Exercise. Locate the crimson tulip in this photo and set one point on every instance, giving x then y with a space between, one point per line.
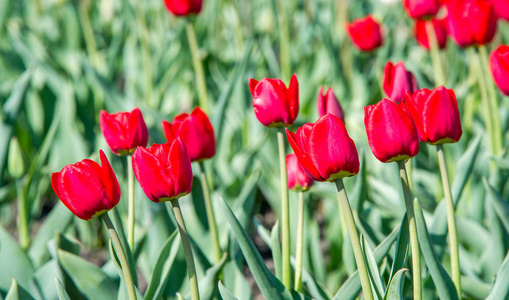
87 188
274 104
124 131
419 9
183 7
328 103
397 81
195 131
324 149
298 179
392 135
365 33
499 65
163 171
421 35
501 8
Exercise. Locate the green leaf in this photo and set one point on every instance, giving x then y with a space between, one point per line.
14 263
500 205
500 289
17 292
62 294
276 250
117 222
401 247
374 274
208 284
395 288
225 293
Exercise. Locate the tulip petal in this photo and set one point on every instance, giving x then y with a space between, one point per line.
302 156
151 173
180 169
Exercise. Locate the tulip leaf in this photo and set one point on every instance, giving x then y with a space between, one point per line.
500 205
119 228
17 292
401 247
276 250
61 292
225 293
377 284
208 284
395 288
500 289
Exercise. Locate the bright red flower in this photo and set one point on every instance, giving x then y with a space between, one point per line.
419 9
421 34
274 104
392 135
435 114
499 65
183 7
195 131
298 179
87 188
324 149
501 8
397 81
328 103
124 131
365 33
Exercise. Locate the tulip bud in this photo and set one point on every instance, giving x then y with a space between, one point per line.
274 104
421 35
501 8
328 103
397 81
324 149
499 66
87 188
183 7
15 162
298 179
365 33
419 9
392 135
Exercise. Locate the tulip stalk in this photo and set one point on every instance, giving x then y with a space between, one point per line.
414 241
210 211
300 244
197 65
354 238
130 217
451 220
435 53
121 256
23 229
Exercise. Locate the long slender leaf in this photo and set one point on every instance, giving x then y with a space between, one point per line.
158 280
395 288
62 294
374 274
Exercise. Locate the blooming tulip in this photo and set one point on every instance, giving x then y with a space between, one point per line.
124 131
365 33
328 103
501 8
435 114
324 149
397 81
274 104
392 135
298 179
499 65
419 9
421 35
195 131
183 7
87 188
163 171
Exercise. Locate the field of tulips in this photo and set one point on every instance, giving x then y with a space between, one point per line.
269 149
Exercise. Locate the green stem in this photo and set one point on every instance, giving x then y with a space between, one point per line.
300 244
130 219
188 252
121 256
198 68
210 211
414 241
23 230
285 215
354 238
435 54
451 220
284 40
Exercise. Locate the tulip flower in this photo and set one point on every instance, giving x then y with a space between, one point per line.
499 66
397 81
298 179
124 131
501 8
365 33
183 7
274 104
392 135
419 9
328 103
421 35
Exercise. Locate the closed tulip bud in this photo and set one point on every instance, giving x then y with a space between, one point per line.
87 188
183 7
298 179
196 133
392 135
435 114
274 104
15 163
328 103
501 8
163 171
397 81
499 65
421 35
324 149
365 33
419 9
124 131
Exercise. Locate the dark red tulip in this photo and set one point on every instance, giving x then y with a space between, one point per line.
195 131
419 9
124 131
87 188
397 81
183 7
499 66
392 135
324 149
435 114
163 171
298 179
328 103
501 8
274 104
365 33
421 34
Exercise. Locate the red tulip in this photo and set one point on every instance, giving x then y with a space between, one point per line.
163 171
422 36
195 131
274 104
365 33
124 131
87 188
501 8
397 81
471 22
298 179
392 135
435 114
324 149
328 103
499 65
183 7
419 9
